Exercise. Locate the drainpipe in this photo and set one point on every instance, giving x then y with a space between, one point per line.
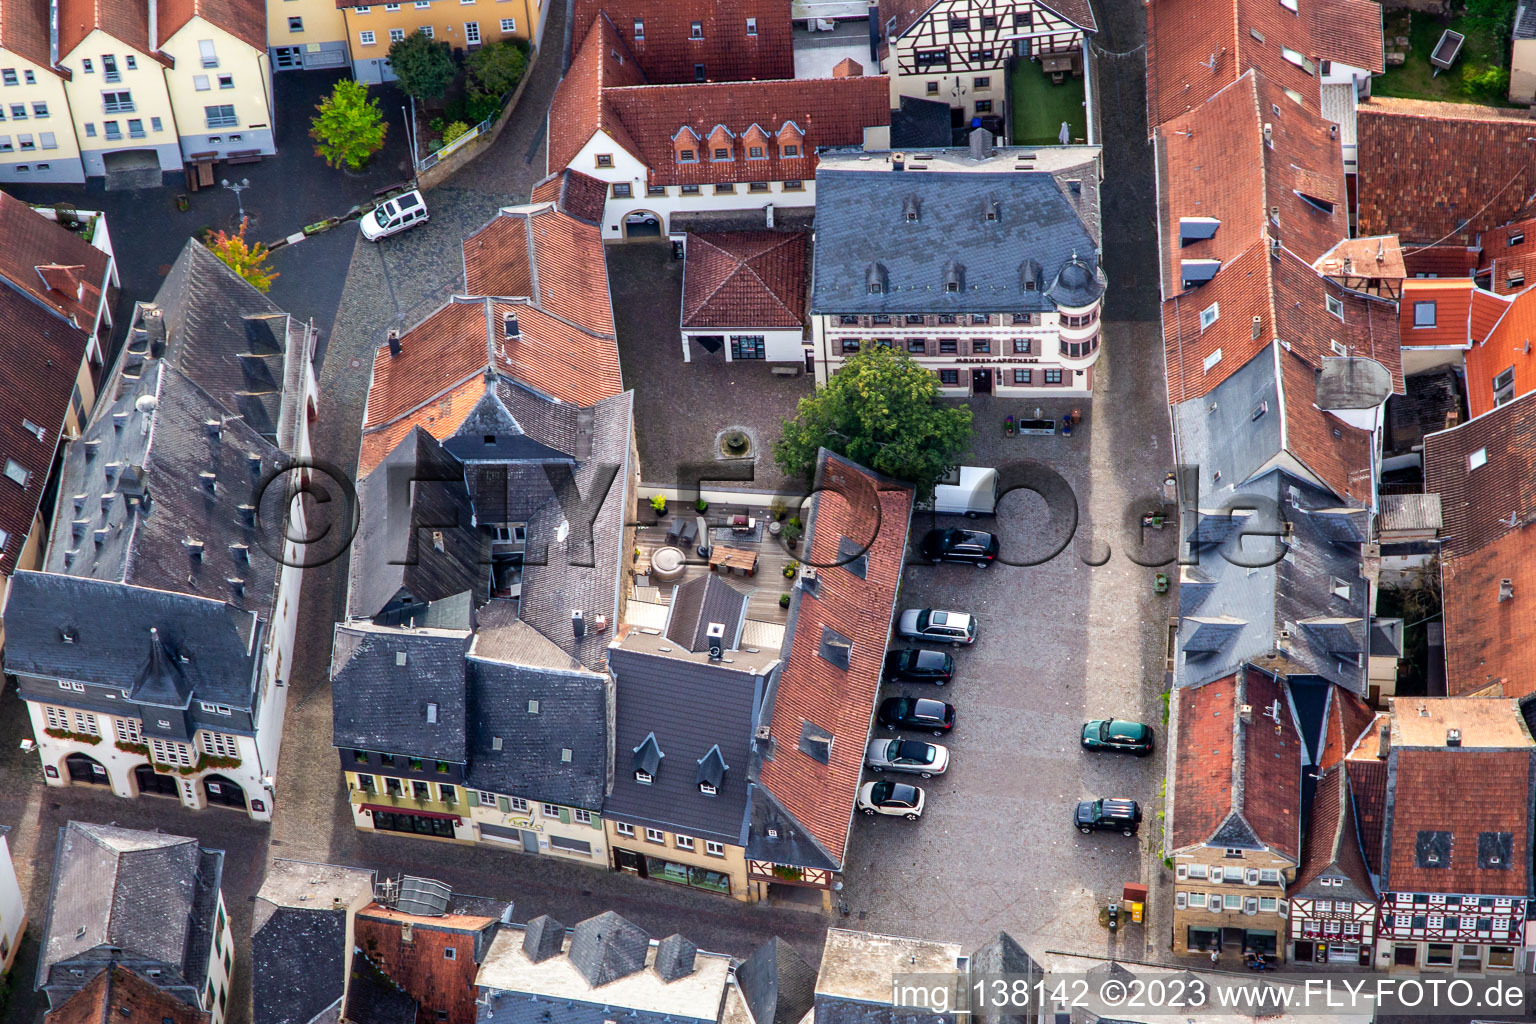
154 27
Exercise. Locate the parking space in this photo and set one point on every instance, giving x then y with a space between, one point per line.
1058 643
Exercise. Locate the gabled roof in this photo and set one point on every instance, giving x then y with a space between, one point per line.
698 604
24 31
400 692
1477 159
777 984
299 955
1237 783
874 512
28 241
116 995
1348 719
150 895
542 253
745 279
578 195
601 61
1483 471
668 51
1506 346
124 20
1194 50
246 20
1332 844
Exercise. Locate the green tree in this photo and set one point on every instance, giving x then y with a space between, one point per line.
879 411
496 69
423 65
349 127
248 259
453 131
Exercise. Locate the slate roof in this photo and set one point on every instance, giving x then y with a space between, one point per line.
199 428
578 195
1193 51
745 279
299 955
690 706
1237 784
572 715
1476 157
372 998
110 628
556 260
379 704
667 52
1426 793
778 985
698 603
118 995
1486 511
148 894
854 503
863 222
28 240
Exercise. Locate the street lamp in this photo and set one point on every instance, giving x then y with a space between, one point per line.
243 184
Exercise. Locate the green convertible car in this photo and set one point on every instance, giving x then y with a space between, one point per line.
1118 734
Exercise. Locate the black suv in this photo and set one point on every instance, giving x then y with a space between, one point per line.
1108 815
915 666
918 713
977 547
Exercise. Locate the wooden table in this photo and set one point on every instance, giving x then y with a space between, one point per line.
733 560
1053 64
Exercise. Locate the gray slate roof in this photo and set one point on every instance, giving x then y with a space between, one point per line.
698 603
372 998
110 628
691 706
777 983
297 956
861 223
572 715
608 947
149 895
378 704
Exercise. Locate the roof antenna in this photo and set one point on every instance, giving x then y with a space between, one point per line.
1512 522
1211 63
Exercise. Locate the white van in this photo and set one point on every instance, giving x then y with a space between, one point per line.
394 216
966 491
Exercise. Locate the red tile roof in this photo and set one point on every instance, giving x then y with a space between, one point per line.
1263 791
1506 347
577 110
1332 841
745 279
1440 172
1368 792
579 195
124 20
1337 454
24 31
1195 49
1464 313
1488 640
1349 718
118 996
1429 792
668 53
1440 260
540 252
244 19
420 967
29 240
874 513
1509 256
436 379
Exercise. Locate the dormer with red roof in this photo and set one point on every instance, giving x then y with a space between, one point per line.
721 145
686 145
791 141
755 143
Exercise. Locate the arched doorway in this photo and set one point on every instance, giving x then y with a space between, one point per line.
156 783
84 768
223 790
642 224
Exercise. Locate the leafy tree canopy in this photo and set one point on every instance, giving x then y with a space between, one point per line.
349 127
423 65
248 259
496 69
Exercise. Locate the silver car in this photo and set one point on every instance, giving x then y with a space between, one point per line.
937 626
914 756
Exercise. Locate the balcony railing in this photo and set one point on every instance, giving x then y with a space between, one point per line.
405 803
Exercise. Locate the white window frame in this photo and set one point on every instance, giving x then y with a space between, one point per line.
1197 901
396 34
472 35
624 829
219 744
129 730
1335 305
427 30
367 38
581 817
549 810
656 835
1209 315
1211 360
486 799
683 842
1270 875
509 24
517 804
714 849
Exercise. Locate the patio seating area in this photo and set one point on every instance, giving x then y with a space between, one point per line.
739 546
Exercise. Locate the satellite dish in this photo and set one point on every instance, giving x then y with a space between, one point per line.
146 403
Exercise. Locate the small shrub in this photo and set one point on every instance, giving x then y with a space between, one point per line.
473 108
783 600
701 505
436 125
453 131
658 503
777 508
795 522
792 531
1484 81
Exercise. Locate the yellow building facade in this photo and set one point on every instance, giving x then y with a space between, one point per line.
462 24
220 90
37 140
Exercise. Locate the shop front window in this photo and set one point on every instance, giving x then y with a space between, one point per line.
682 874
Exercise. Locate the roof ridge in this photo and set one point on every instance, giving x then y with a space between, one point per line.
747 265
436 396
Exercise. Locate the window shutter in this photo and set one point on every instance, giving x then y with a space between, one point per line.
1178 901
503 805
565 815
472 797
597 821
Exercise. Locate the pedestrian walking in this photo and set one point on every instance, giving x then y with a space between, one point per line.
1215 956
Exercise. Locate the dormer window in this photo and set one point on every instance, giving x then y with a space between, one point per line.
644 778
751 26
696 30
721 153
687 156
954 277
705 787
647 760
791 150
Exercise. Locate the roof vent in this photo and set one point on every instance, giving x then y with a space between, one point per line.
90 448
716 637
911 209
253 461
990 211
69 634
236 585
240 553
101 536
118 419
1453 737
1506 590
394 343
248 514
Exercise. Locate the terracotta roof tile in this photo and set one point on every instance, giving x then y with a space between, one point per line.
1272 754
1368 791
1348 719
1337 453
24 31
539 252
829 111
1429 793
119 996
668 53
244 19
745 279
1440 172
1202 797
579 195
1195 49
1368 328
124 20
1441 260
873 512
1332 841
1488 640
1506 347
29 240
577 110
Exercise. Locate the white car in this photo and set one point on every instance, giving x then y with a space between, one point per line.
896 798
937 626
394 216
915 756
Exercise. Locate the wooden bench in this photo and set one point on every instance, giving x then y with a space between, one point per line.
244 156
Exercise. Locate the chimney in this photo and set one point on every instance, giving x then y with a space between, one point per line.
1384 740
1506 590
981 144
716 635
153 319
1245 712
578 624
394 343
1453 737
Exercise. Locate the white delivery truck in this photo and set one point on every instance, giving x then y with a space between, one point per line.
966 491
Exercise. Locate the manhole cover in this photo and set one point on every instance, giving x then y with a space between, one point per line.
356 363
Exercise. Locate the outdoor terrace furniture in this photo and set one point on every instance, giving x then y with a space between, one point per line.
244 156
675 531
729 560
743 524
690 532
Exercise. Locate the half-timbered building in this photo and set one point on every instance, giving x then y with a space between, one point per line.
954 51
